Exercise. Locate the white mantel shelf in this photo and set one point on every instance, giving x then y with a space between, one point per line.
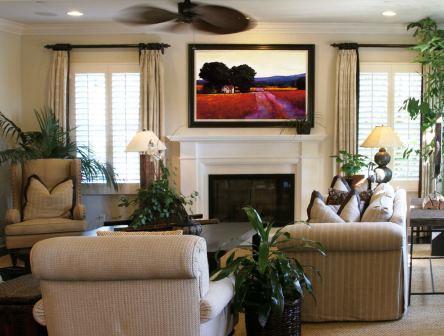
253 138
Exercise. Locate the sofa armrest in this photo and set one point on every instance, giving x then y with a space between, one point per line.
12 216
79 212
375 236
38 312
218 297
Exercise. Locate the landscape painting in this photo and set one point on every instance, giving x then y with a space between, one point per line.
250 85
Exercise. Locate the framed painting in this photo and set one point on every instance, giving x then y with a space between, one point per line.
250 85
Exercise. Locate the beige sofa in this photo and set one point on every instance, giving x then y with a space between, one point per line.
23 234
364 275
129 285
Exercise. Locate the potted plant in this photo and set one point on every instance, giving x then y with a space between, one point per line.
160 207
430 108
51 141
351 165
269 285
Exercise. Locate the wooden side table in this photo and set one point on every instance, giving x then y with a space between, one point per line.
419 218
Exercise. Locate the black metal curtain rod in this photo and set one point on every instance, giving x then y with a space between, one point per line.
369 45
140 46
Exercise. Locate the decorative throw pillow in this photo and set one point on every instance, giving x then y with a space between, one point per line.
380 208
140 233
319 212
350 210
340 183
336 197
42 203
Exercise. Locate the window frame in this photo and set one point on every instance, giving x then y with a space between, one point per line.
391 68
95 67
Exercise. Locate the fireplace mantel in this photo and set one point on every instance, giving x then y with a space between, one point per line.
206 152
247 137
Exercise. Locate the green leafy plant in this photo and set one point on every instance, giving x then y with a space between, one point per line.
267 279
430 50
158 203
51 141
351 164
430 108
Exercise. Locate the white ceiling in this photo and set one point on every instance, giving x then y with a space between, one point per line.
311 11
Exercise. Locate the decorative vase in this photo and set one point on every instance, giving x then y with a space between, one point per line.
354 179
287 324
303 127
190 227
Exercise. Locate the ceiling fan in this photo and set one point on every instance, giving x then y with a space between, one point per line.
209 18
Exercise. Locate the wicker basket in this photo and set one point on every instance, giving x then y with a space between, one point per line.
287 324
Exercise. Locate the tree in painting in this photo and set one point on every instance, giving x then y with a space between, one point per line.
216 75
242 76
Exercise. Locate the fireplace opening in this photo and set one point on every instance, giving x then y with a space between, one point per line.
271 194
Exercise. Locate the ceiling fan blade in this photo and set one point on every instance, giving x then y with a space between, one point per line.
138 15
220 19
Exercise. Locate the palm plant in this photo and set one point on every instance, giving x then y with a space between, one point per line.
268 280
49 142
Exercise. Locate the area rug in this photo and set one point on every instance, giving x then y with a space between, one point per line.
425 316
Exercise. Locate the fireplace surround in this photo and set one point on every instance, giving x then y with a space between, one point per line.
202 155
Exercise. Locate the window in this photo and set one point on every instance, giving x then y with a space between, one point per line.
105 113
383 90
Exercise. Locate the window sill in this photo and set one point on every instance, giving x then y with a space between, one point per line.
101 189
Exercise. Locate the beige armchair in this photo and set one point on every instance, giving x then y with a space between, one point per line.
24 234
129 285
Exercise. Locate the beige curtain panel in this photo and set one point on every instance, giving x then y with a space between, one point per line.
346 101
152 91
58 79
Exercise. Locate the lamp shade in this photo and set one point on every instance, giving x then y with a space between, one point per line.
145 141
382 136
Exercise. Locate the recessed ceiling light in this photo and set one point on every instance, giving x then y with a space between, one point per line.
389 13
74 13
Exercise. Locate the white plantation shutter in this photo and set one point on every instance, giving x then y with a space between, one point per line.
105 114
406 85
125 123
383 89
373 98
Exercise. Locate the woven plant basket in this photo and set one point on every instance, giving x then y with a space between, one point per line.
287 324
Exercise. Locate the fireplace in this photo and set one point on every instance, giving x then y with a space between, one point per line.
271 194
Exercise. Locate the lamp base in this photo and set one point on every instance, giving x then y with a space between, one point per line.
147 170
382 172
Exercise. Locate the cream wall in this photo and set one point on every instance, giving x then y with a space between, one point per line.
10 101
35 62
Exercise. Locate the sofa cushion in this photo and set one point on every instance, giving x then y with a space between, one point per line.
42 203
380 208
319 212
140 233
44 226
350 210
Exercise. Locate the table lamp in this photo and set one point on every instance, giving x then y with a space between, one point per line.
382 137
150 148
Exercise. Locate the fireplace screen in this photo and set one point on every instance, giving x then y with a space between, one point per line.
271 194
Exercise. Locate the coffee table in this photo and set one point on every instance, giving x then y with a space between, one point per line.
220 237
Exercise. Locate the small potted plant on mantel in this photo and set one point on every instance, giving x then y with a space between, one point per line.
269 285
351 165
160 207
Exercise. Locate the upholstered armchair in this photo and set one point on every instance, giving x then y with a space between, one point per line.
23 231
129 285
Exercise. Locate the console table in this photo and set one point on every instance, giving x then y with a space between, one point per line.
432 219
